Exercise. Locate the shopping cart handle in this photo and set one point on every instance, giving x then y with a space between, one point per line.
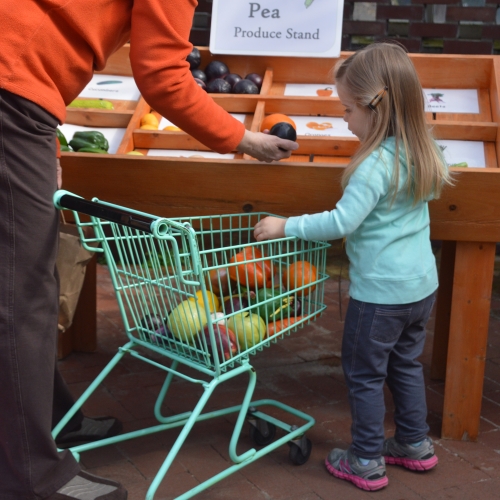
65 199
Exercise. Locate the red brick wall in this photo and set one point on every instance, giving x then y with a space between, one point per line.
460 30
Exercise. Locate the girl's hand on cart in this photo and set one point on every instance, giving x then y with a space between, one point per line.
269 228
266 147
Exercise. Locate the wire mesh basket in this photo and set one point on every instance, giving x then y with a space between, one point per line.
203 293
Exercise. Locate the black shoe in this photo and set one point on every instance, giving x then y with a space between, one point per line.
103 489
91 429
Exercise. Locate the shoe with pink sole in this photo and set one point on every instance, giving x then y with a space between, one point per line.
419 456
344 464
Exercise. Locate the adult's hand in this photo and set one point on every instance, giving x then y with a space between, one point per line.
266 147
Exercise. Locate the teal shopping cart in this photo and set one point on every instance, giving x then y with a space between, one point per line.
200 295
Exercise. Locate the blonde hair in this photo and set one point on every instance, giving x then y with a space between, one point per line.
399 113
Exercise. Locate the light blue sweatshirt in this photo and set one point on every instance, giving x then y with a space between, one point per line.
391 259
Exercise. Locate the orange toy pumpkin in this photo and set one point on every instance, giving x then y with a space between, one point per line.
270 120
328 91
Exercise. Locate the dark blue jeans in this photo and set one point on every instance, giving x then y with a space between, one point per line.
381 343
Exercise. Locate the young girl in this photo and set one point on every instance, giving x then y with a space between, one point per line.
384 216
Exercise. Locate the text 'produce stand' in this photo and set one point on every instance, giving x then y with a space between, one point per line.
466 217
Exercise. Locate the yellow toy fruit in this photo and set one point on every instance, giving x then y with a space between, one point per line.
250 329
138 153
213 301
187 320
150 119
148 127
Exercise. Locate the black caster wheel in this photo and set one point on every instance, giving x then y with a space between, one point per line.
262 433
300 451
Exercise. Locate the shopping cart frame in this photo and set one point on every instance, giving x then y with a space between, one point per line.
262 425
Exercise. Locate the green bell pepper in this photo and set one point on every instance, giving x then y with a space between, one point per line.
62 139
89 139
267 307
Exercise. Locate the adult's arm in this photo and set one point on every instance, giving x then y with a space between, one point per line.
159 45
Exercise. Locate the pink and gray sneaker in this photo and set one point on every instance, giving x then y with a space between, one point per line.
419 456
344 464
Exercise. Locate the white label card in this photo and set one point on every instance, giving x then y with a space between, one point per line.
470 152
321 126
311 89
451 101
122 88
185 153
294 28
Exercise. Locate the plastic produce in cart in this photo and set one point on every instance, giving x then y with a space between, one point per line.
201 293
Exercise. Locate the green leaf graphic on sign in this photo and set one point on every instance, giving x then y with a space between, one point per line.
109 82
308 3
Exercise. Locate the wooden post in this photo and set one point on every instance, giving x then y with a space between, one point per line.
470 312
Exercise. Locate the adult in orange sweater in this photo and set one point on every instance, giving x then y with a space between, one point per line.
48 52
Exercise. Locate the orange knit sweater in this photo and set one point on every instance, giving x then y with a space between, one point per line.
49 50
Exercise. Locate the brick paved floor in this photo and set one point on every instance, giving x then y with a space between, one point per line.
302 371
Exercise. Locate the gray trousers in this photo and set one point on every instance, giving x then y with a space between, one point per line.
30 465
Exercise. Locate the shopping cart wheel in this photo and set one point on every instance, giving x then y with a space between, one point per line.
262 432
300 450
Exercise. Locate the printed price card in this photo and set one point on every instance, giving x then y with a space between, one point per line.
470 152
451 100
321 126
311 89
122 88
185 153
295 28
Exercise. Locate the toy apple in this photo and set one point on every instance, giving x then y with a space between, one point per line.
187 320
250 329
213 301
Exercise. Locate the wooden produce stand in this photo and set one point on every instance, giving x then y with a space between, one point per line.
466 218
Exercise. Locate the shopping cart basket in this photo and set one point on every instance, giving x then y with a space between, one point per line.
200 292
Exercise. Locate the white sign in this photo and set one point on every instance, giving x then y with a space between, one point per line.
321 126
451 100
311 89
121 88
299 28
186 153
470 152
